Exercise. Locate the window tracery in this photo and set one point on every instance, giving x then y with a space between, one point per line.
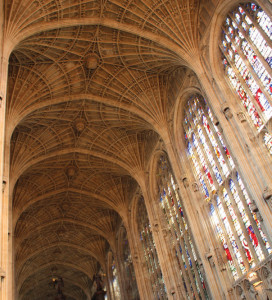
174 220
233 213
128 273
246 46
150 252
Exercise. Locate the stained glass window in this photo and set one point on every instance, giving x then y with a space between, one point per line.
233 213
127 269
113 278
150 252
246 41
175 221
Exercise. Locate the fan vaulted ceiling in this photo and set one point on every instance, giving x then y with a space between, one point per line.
90 92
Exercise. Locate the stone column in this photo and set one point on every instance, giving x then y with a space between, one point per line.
162 244
6 252
119 273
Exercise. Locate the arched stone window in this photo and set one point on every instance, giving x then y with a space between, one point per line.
247 49
150 252
234 216
126 265
177 229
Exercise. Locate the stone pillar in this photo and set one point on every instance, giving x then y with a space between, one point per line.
162 245
119 273
6 252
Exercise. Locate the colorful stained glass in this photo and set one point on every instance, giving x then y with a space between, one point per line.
177 225
236 224
150 252
248 61
268 141
253 213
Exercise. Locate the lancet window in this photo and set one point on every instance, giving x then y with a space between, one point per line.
247 49
234 216
176 227
150 252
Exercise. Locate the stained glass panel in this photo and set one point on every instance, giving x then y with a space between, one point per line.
246 37
233 215
176 223
150 252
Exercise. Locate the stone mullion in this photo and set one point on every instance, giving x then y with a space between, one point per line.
174 241
237 239
253 158
201 146
200 163
144 288
249 214
190 139
258 53
182 271
218 142
158 276
185 232
151 268
151 259
193 126
156 270
207 162
197 158
252 45
177 256
246 88
222 225
250 68
259 28
253 73
223 153
216 161
220 254
191 201
177 244
146 250
147 258
241 222
146 238
156 217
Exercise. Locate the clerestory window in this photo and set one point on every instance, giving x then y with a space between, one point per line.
233 215
247 58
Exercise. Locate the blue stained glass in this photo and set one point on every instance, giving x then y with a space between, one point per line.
257 51
253 6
